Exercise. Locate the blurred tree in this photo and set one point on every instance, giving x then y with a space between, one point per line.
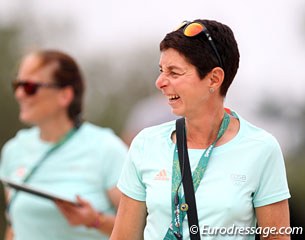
116 84
10 49
296 174
296 179
293 121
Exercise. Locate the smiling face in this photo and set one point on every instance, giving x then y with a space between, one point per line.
46 103
180 83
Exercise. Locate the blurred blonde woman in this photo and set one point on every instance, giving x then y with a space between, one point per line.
61 154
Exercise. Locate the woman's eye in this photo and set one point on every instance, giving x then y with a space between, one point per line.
175 74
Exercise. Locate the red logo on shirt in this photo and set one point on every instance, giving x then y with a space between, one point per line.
161 176
20 172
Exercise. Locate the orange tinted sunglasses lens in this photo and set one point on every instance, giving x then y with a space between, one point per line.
193 29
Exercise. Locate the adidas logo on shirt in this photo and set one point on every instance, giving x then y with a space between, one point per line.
162 176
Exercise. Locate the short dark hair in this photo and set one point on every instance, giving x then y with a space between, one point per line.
198 51
66 73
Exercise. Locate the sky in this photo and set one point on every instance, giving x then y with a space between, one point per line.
270 35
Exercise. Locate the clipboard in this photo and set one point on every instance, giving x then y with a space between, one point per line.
35 191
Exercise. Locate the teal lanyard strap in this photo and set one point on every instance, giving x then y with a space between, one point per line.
179 207
49 152
44 157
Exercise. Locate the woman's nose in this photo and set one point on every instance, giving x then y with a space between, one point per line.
19 93
161 81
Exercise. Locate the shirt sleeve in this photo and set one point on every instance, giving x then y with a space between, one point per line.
5 169
130 182
273 185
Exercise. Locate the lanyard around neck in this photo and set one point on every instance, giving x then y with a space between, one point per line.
57 145
39 163
179 207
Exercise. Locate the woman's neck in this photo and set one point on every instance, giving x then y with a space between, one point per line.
53 131
202 131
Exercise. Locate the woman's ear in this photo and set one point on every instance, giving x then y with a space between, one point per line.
66 96
216 78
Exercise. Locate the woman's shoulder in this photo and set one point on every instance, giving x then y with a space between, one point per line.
256 133
90 128
25 135
90 132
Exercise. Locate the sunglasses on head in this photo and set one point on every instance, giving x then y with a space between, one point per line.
30 88
192 29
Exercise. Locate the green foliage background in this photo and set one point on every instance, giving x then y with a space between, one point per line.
9 119
133 77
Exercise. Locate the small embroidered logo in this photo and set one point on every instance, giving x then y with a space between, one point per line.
20 172
238 179
161 176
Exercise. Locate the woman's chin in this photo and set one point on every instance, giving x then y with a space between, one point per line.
26 119
177 112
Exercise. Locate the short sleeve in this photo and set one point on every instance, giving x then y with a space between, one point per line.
130 182
5 169
273 185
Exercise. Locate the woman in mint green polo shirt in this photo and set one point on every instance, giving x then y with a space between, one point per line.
238 169
59 154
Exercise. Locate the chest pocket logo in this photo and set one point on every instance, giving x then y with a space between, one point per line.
238 179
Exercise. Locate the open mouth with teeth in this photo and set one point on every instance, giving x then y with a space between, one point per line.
173 97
